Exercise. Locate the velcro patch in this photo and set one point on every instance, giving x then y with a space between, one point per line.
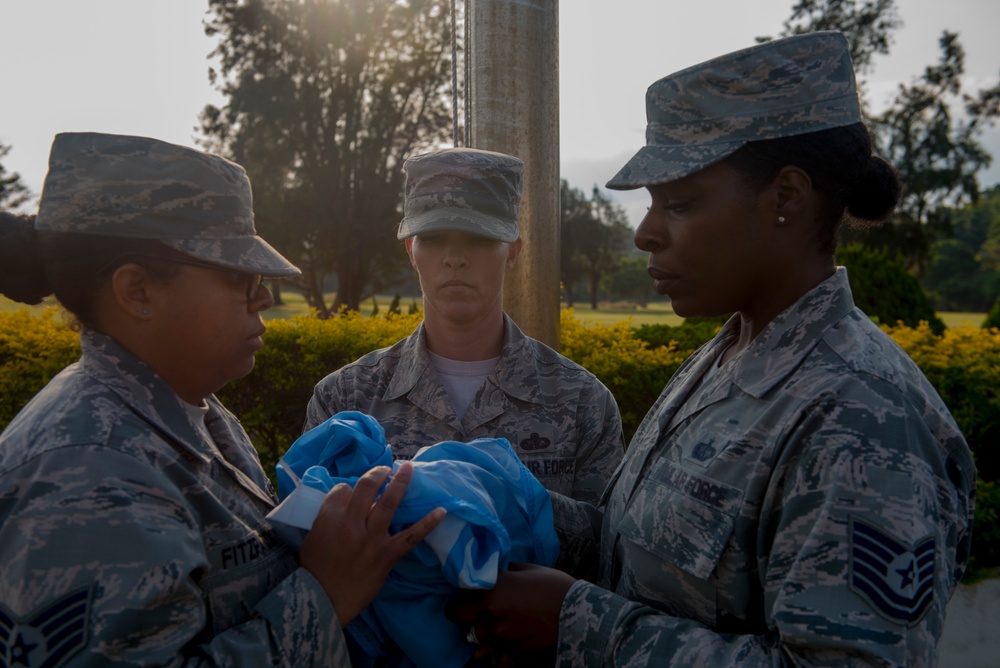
49 636
895 579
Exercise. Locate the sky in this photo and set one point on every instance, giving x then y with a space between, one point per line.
141 67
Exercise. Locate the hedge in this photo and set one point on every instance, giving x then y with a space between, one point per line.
993 316
963 365
298 352
635 364
32 350
884 289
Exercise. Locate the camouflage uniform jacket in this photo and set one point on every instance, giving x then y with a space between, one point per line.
561 420
809 504
127 538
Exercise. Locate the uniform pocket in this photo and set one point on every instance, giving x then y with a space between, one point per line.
682 517
243 572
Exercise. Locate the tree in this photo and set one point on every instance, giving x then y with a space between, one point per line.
985 216
326 99
935 149
630 281
993 315
954 280
868 25
13 193
964 271
594 235
573 217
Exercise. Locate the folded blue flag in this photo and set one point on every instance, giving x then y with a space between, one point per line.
498 512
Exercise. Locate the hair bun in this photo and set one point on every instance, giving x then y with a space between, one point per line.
876 192
22 276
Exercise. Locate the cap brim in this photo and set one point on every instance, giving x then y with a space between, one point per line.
652 165
249 254
461 220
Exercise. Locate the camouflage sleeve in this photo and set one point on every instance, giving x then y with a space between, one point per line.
859 542
323 404
598 628
578 526
870 514
301 619
601 444
112 545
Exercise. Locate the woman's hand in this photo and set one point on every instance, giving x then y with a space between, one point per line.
520 614
349 549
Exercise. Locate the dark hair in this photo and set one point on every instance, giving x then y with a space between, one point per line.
840 163
73 267
22 277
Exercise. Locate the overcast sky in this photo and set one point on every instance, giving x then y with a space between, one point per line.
140 67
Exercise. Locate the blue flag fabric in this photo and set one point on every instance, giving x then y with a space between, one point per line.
341 449
497 513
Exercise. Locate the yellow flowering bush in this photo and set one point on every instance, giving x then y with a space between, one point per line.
297 353
962 363
633 371
33 349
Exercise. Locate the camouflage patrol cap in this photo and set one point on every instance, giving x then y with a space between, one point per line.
463 189
699 115
122 186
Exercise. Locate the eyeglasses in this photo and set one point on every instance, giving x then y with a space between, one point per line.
252 281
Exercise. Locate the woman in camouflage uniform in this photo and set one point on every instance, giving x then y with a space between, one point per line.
799 493
468 371
132 504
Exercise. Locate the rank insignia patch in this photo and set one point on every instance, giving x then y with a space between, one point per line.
897 580
49 636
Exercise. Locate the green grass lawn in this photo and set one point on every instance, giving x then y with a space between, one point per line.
293 304
958 318
658 313
606 314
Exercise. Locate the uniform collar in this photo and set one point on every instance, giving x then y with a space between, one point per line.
150 397
515 373
774 354
785 341
414 364
142 390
